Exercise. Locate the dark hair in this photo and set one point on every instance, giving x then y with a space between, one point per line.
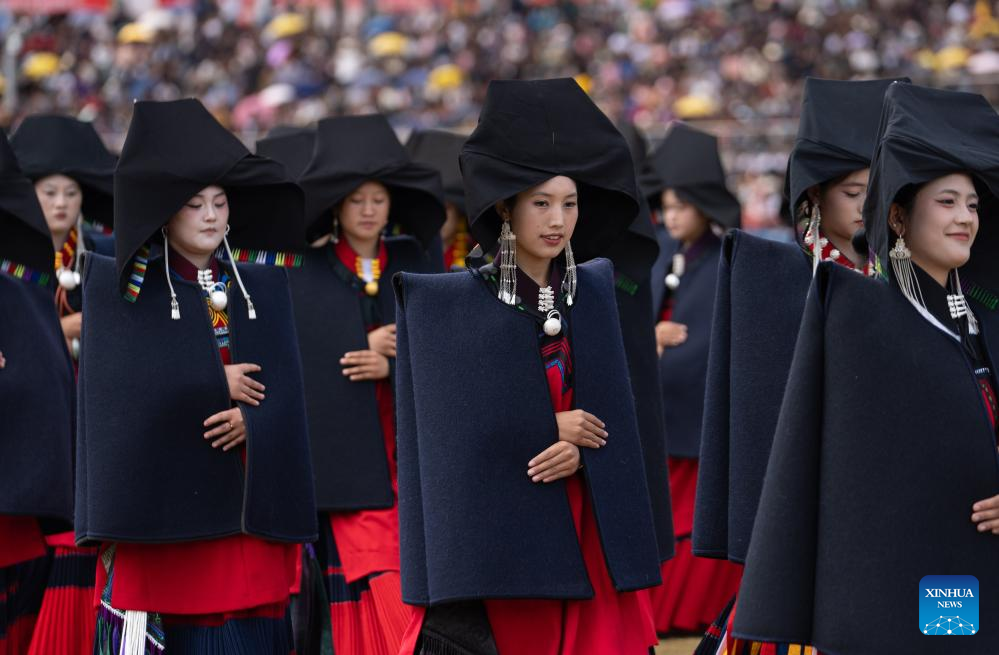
906 196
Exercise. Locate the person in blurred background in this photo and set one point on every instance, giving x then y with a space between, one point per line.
696 207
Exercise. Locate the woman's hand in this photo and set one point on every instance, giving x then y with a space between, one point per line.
71 326
382 340
361 365
230 430
986 515
669 335
242 387
557 461
581 428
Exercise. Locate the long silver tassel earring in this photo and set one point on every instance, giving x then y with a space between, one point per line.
508 265
250 310
813 236
905 274
958 304
174 305
569 281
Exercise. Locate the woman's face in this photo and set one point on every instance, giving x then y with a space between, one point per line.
544 217
452 222
365 212
684 221
942 224
198 228
841 205
61 199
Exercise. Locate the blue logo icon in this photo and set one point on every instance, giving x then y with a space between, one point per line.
948 605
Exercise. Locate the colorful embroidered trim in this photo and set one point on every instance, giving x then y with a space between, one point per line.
64 256
625 283
269 257
138 274
22 272
984 296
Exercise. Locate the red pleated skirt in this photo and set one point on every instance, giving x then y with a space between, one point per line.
611 622
694 589
67 618
21 589
367 616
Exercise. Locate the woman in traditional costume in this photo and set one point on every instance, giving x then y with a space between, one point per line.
696 207
500 502
193 466
38 391
360 178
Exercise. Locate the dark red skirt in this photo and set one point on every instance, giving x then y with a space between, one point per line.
694 589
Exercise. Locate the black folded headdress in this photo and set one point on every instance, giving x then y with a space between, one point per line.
532 131
837 133
175 149
351 150
60 145
24 236
291 146
688 162
440 150
926 134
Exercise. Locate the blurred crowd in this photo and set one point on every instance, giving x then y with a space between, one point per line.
734 67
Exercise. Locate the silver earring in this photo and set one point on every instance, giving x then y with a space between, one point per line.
508 265
814 238
569 281
336 229
905 274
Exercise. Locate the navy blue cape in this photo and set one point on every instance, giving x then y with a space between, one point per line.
761 293
144 472
882 447
348 449
634 305
39 394
682 368
471 413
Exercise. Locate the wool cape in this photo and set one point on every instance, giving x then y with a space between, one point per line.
760 299
633 255
472 524
348 452
144 473
760 296
37 383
